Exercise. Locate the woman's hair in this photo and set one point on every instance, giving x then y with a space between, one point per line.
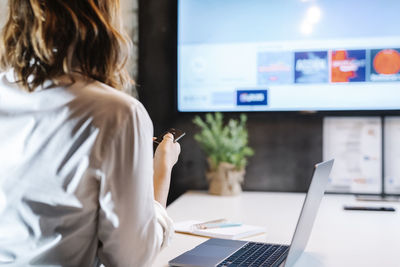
44 39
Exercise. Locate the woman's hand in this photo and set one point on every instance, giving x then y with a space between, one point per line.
167 153
165 157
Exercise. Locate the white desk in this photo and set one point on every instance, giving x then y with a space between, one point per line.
339 238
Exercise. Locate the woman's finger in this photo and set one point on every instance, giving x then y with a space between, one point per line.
169 136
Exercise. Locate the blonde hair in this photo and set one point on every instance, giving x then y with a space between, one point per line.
45 39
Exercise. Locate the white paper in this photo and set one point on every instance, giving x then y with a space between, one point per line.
235 232
392 155
356 145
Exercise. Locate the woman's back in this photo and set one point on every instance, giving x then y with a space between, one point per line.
75 163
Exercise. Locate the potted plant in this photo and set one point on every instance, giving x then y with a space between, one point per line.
227 150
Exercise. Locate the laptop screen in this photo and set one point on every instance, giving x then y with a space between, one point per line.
309 211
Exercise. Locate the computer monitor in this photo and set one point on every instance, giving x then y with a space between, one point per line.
288 55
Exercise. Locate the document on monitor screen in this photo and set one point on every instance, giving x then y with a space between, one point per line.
356 145
392 155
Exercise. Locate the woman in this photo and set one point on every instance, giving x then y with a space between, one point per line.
76 158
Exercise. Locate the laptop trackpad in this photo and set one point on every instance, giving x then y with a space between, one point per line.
209 253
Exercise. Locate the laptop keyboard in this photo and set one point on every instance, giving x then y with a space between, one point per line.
255 255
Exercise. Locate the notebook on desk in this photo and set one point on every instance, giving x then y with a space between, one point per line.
232 253
235 232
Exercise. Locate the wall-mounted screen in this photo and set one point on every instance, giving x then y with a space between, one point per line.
288 55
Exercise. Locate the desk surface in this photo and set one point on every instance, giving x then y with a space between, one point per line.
339 238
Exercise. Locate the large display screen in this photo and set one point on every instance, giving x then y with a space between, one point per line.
288 55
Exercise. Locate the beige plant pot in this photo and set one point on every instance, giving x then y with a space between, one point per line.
226 180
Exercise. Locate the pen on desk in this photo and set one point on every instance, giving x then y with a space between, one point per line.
203 224
368 208
220 225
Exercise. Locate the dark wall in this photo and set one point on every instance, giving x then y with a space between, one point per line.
286 144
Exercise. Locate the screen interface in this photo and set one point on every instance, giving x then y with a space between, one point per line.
288 55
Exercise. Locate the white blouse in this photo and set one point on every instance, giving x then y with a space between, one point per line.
76 177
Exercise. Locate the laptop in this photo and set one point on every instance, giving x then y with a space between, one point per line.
232 253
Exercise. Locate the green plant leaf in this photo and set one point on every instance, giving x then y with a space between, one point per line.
223 143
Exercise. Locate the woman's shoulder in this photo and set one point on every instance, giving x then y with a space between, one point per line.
106 95
106 104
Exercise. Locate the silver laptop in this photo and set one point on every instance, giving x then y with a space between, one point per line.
224 252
